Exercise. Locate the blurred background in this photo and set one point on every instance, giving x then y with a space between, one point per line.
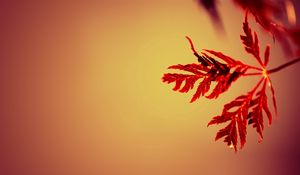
81 92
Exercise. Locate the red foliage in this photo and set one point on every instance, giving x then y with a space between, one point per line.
244 110
294 34
267 55
224 70
271 15
250 42
209 70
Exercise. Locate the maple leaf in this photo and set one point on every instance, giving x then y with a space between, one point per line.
244 110
250 42
238 116
249 108
271 15
223 70
208 70
275 17
230 134
260 104
294 34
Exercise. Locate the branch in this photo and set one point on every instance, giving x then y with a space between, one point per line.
276 69
283 66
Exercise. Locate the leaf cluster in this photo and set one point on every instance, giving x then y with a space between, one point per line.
222 70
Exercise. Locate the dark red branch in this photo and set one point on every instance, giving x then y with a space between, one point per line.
283 66
276 69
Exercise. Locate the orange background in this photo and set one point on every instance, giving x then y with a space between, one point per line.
81 92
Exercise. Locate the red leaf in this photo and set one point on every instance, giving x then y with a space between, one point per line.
227 59
294 34
242 128
258 121
202 89
273 95
208 70
179 79
260 105
219 88
271 15
233 104
266 109
267 55
219 119
230 134
243 110
240 110
250 43
234 111
193 68
189 84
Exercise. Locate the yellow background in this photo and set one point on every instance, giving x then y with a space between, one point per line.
81 92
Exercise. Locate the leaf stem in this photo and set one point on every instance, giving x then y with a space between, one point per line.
255 68
257 85
252 74
283 66
276 69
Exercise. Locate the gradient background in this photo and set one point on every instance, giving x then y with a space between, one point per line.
81 92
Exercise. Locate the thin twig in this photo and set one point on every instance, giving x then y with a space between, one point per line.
252 74
255 68
283 66
275 69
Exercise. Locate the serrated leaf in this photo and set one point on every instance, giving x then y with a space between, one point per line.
208 70
244 110
250 42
